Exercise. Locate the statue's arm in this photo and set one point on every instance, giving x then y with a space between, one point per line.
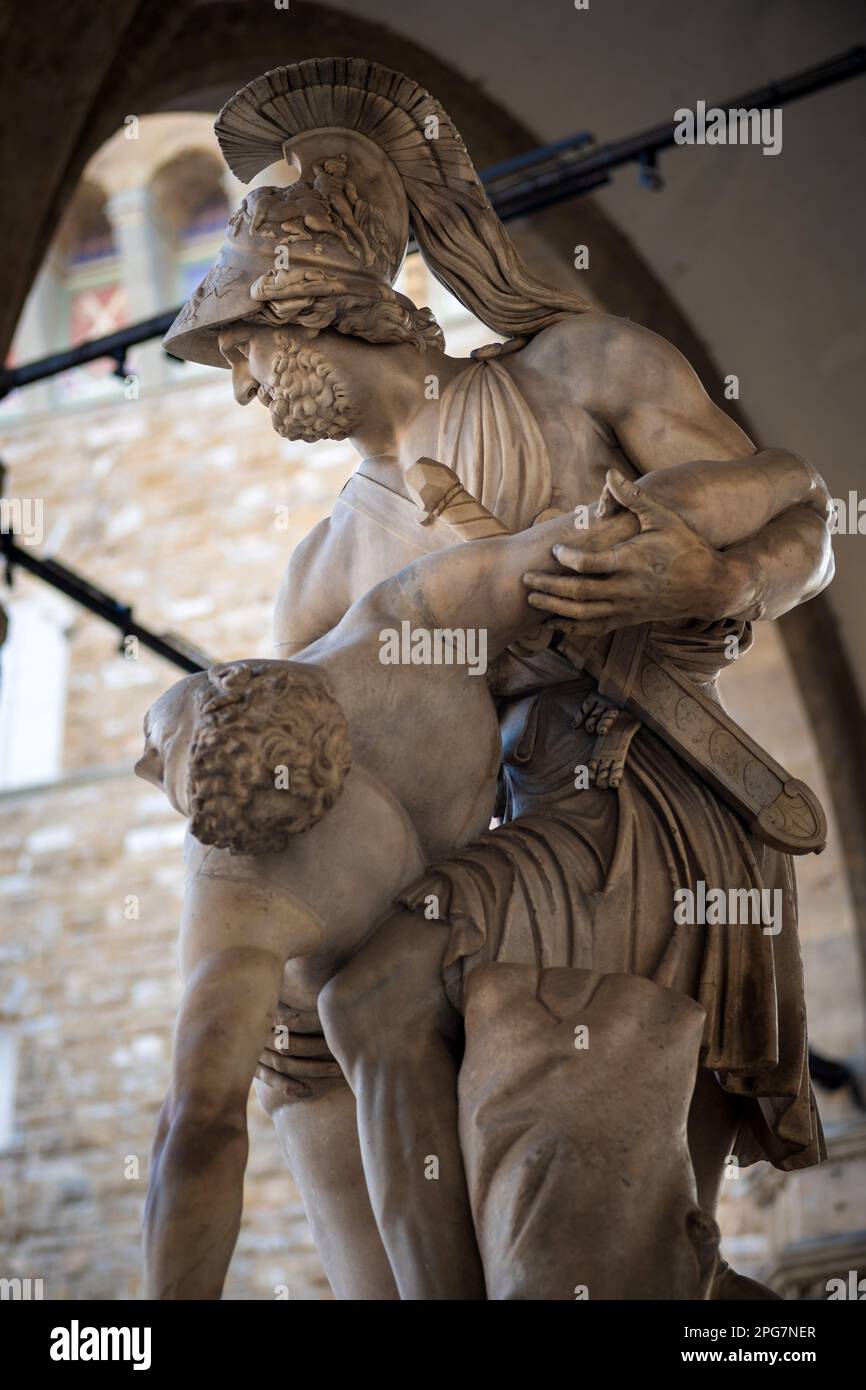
729 501
769 506
480 586
765 513
233 949
313 595
768 514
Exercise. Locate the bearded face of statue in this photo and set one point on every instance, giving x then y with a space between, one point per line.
307 395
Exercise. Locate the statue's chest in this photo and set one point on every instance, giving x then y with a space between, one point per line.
374 533
581 449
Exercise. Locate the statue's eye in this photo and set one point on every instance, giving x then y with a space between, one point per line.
230 351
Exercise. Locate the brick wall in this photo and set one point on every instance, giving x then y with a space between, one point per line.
168 502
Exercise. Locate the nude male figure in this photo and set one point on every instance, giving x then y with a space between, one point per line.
284 882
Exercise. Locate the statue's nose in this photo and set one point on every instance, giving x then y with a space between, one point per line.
244 384
149 767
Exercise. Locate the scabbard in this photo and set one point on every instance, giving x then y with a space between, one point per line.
778 809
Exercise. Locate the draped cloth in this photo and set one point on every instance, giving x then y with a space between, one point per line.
491 439
587 878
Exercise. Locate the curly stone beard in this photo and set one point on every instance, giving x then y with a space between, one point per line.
306 396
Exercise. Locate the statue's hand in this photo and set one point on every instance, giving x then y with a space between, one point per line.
664 573
596 714
296 1058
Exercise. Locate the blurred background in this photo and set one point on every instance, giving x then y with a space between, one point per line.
158 489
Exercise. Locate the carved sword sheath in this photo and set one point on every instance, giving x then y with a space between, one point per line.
778 809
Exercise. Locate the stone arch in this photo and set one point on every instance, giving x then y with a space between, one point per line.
157 139
86 227
191 204
87 296
186 185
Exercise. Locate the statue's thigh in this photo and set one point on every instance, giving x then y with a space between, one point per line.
318 1132
394 982
319 1137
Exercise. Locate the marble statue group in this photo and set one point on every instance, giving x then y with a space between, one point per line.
430 909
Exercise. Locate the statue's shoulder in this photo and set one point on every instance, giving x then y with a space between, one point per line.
312 596
308 553
590 356
563 361
592 333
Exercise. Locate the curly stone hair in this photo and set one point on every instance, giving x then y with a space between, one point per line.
256 719
381 317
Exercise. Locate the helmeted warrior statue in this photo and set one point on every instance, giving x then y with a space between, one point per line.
624 786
